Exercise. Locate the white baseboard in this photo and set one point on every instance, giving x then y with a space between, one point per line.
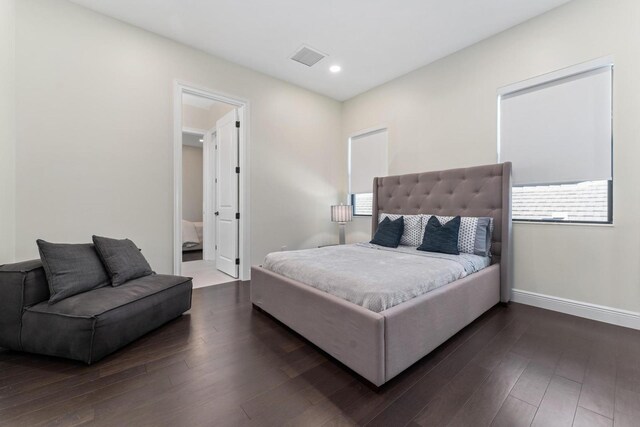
615 316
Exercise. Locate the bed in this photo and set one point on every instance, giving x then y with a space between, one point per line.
191 236
378 345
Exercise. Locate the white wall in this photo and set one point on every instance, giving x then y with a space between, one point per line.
444 115
192 183
7 130
194 117
217 111
94 138
94 123
204 118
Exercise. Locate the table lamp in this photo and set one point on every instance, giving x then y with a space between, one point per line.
341 214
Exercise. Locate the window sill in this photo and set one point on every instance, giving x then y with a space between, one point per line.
573 224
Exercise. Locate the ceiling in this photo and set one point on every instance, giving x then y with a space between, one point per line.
191 139
373 41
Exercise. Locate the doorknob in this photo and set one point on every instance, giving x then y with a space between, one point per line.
217 213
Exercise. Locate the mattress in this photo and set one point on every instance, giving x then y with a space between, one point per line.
372 276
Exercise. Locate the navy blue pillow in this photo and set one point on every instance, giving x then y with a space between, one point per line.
441 238
389 232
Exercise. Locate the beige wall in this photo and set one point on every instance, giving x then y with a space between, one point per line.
192 183
7 130
197 118
204 118
95 130
217 111
444 115
94 138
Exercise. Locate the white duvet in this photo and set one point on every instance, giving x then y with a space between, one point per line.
372 276
191 233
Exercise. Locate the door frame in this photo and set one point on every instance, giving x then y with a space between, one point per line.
244 239
210 231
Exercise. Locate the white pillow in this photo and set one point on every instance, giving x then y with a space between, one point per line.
412 235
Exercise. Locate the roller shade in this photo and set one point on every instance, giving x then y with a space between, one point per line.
367 160
559 131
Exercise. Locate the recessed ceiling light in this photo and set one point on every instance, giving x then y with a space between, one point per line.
335 68
201 139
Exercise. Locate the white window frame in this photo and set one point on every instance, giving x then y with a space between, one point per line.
564 73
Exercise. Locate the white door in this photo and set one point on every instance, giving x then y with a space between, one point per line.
227 211
209 199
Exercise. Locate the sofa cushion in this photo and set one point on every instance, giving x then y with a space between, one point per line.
122 259
31 278
71 269
91 325
21 285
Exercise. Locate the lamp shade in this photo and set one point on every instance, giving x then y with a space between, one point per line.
341 213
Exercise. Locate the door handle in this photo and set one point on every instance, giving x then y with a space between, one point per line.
217 213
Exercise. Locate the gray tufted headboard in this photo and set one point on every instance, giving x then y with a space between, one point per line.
475 191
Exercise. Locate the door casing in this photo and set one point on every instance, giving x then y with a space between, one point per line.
209 195
243 107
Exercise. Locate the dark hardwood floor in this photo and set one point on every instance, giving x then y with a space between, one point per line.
225 364
191 256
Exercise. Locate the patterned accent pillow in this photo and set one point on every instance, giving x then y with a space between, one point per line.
475 233
413 229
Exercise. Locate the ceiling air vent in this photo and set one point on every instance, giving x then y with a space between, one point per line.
307 56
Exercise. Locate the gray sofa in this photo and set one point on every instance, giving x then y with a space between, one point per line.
87 326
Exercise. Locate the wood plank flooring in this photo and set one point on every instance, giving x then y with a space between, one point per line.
225 364
191 256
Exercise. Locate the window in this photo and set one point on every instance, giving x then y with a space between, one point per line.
367 160
362 203
556 129
582 202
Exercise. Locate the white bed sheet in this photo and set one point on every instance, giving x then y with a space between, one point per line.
372 276
191 234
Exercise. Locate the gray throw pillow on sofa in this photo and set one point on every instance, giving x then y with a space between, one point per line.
122 259
71 269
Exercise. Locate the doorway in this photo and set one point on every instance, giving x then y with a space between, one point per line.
211 209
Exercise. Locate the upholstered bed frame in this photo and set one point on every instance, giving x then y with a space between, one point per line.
379 346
